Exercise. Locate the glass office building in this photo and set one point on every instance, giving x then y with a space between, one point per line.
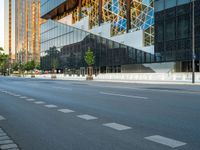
64 47
173 31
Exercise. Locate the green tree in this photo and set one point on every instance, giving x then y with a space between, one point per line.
15 66
90 60
89 57
1 50
30 65
37 66
4 63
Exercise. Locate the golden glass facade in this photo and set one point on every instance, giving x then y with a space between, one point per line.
9 28
27 30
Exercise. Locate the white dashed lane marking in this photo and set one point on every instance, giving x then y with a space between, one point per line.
39 102
51 106
117 126
165 141
17 95
23 97
65 110
30 99
2 118
127 96
87 117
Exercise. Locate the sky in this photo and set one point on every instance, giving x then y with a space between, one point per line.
1 23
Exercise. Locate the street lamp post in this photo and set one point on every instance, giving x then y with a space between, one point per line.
193 41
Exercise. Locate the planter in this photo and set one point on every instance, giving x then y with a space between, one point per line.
32 76
89 78
53 76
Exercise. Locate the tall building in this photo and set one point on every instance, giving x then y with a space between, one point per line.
27 30
120 32
9 28
173 32
22 29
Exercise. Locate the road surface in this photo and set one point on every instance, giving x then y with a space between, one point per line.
38 114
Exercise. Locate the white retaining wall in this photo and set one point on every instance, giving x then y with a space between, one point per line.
151 77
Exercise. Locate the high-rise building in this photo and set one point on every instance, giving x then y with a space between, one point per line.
27 30
22 29
121 34
173 32
9 28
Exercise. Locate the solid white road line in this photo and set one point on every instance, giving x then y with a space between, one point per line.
8 146
30 99
2 118
51 106
39 102
128 96
87 117
117 126
65 110
165 141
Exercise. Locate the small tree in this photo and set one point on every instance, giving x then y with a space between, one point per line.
37 66
15 66
1 50
90 60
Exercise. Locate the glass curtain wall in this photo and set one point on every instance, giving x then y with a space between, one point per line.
63 47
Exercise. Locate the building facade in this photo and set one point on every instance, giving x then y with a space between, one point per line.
120 32
9 28
124 34
22 29
173 32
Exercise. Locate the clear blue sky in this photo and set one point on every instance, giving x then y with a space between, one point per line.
1 23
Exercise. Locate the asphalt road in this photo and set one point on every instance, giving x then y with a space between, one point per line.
80 115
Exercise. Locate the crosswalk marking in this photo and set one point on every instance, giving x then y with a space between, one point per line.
165 141
8 146
2 118
6 142
4 138
117 126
